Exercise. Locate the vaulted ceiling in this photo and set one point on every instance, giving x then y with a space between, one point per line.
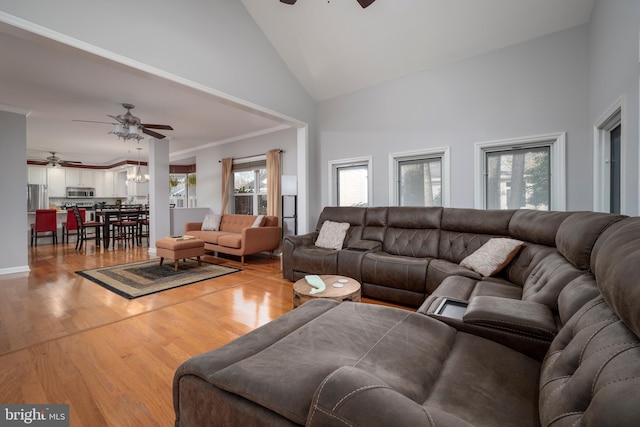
333 47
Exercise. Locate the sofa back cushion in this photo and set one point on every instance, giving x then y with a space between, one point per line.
548 278
536 226
578 233
411 242
477 221
412 231
352 215
616 267
234 223
464 231
376 223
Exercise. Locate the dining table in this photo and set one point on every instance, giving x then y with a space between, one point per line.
107 216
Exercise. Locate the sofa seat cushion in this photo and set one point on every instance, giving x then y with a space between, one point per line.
315 350
208 236
395 271
466 288
314 260
231 240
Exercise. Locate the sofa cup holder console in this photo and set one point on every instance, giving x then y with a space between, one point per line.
526 326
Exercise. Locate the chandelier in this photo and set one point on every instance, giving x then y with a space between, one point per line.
138 177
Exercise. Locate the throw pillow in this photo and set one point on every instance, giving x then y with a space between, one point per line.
332 235
211 222
258 221
493 256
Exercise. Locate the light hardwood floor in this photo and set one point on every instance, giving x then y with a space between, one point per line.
64 339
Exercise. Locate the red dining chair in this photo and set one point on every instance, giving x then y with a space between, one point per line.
70 226
84 227
45 223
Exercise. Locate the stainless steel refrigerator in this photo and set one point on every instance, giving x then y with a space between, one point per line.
37 197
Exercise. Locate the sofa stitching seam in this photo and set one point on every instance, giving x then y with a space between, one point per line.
629 346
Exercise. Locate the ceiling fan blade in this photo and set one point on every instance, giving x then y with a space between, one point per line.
93 121
152 126
71 162
116 119
153 134
288 1
365 3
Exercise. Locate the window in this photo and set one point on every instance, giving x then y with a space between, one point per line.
182 187
420 178
521 173
250 188
609 152
350 184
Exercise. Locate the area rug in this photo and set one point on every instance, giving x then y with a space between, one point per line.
137 279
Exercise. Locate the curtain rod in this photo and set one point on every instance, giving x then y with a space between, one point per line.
248 157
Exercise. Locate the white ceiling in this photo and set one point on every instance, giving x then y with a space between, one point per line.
335 47
332 47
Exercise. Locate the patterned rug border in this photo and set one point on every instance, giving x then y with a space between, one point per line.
87 274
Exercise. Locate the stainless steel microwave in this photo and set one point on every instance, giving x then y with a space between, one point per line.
80 192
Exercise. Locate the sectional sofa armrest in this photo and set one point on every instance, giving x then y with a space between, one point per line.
289 245
523 317
192 226
261 239
350 396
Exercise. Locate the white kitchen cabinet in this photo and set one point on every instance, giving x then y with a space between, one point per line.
56 182
103 182
37 174
76 177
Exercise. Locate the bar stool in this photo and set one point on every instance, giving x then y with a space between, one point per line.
46 222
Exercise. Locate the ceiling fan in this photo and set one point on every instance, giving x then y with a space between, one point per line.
56 161
128 126
363 3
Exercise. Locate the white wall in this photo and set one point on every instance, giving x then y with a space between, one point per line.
533 88
13 176
209 188
614 56
215 44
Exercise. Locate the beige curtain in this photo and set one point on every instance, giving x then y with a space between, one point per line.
227 168
273 182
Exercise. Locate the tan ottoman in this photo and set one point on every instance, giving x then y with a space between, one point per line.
176 249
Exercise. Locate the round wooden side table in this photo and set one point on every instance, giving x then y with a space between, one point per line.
347 289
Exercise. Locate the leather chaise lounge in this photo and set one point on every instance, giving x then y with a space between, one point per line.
552 340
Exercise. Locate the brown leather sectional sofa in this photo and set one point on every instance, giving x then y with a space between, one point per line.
553 339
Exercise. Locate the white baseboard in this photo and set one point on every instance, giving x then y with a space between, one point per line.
14 270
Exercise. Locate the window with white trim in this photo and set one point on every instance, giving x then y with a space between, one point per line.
250 188
523 173
350 184
420 178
